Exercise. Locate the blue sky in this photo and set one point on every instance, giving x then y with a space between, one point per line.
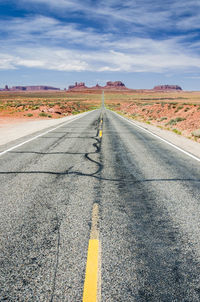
140 42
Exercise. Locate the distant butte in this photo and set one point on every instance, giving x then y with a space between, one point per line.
78 86
117 85
29 88
167 87
111 86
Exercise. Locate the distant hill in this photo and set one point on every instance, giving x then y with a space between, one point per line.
29 88
167 87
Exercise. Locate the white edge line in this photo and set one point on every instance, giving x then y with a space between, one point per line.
157 136
33 138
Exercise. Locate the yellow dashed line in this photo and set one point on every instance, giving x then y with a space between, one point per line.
91 276
91 292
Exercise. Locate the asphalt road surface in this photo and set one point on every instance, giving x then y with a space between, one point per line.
140 195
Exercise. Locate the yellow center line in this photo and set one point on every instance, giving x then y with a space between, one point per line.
92 284
100 133
91 276
91 292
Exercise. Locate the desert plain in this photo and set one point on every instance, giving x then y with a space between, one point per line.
177 111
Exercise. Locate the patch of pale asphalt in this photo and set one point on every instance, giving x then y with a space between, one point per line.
178 140
12 132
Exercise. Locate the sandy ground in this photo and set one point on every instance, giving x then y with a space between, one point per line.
179 117
17 129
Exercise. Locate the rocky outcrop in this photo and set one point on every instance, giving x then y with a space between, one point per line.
30 88
77 86
96 87
167 87
33 88
115 85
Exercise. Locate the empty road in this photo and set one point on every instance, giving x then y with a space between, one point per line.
99 194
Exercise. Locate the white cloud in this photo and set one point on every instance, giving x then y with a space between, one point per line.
143 15
45 42
40 30
106 60
6 61
52 59
140 13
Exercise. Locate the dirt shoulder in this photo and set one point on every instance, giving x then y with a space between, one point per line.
182 119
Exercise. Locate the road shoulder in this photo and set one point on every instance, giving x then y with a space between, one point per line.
12 132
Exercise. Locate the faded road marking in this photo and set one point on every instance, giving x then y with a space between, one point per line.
94 234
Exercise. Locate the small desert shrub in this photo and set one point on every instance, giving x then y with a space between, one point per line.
43 114
163 118
175 121
49 115
171 122
176 131
186 109
29 114
196 133
179 108
179 119
74 112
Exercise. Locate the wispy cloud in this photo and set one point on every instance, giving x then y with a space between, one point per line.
105 60
141 36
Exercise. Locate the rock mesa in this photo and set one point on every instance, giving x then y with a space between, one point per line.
167 87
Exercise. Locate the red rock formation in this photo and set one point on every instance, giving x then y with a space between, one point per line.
97 87
77 86
167 87
115 85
